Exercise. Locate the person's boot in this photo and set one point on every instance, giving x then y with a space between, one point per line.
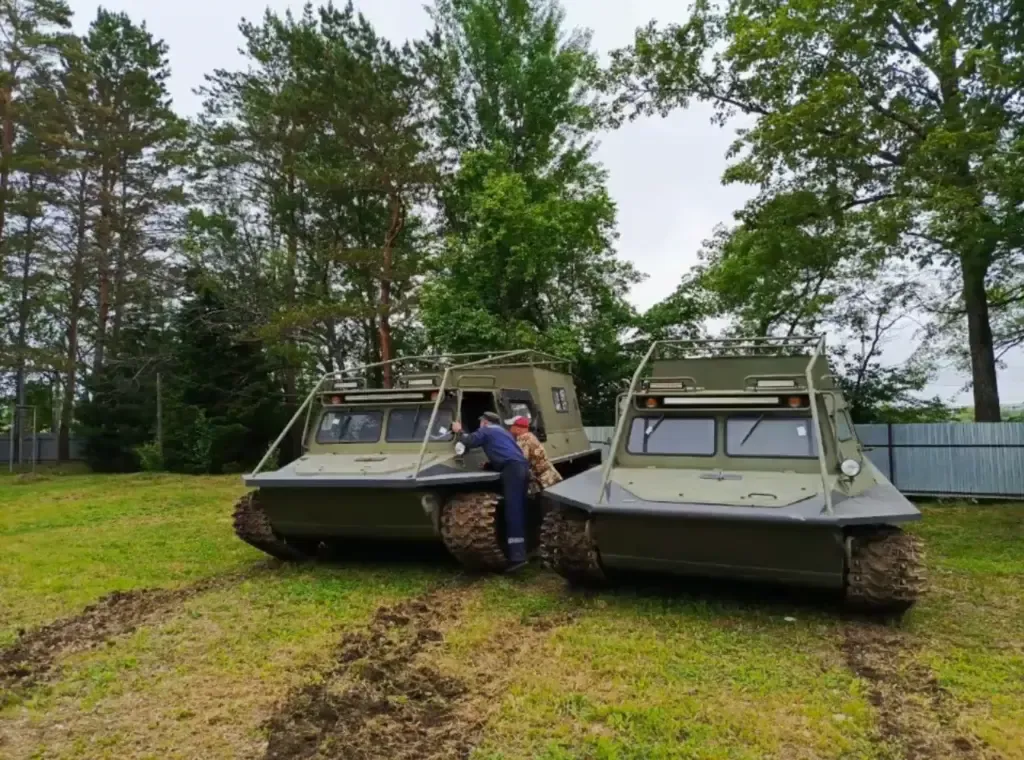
517 558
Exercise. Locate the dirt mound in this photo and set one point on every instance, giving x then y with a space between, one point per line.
383 697
914 712
376 701
30 658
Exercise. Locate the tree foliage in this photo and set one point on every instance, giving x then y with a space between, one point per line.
529 227
341 200
909 111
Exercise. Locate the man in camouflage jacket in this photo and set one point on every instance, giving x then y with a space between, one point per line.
542 473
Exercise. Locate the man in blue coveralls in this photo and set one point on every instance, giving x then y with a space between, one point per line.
508 459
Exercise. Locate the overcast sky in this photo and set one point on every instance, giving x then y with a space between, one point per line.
664 174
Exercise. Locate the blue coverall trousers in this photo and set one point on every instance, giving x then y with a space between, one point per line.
515 478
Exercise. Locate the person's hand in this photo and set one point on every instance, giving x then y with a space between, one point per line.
456 427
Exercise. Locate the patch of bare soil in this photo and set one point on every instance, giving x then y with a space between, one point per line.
915 714
32 656
384 698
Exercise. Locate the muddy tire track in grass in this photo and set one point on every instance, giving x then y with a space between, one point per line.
382 697
916 714
33 655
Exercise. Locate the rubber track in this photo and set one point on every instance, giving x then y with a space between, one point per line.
469 528
886 572
566 548
253 526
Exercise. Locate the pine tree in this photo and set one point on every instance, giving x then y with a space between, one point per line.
223 406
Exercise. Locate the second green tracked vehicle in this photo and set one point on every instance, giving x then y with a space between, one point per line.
738 459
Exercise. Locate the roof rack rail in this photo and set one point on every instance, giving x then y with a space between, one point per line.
446 363
790 345
810 346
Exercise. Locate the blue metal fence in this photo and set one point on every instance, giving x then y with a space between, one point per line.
983 460
45 445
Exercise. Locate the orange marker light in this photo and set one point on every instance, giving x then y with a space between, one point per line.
651 403
335 399
795 401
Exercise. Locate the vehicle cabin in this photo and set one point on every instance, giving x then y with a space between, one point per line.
356 419
736 412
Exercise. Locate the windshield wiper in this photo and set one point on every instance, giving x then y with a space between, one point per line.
343 427
752 429
649 431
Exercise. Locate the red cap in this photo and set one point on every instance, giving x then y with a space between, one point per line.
519 421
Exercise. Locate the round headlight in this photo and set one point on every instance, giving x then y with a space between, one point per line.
850 468
460 449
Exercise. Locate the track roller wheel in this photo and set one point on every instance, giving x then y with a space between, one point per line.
253 526
886 570
566 547
470 529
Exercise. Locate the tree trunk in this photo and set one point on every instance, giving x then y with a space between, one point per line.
104 234
979 339
384 326
124 239
386 276
23 315
74 309
6 149
291 446
21 344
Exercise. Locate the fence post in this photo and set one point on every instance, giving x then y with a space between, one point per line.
892 459
159 418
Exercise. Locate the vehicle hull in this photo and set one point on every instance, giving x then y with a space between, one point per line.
348 512
800 544
805 555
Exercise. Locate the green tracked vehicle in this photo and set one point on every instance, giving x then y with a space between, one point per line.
382 463
738 459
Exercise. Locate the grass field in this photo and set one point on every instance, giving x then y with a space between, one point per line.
151 632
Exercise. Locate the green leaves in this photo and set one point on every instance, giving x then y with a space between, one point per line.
906 111
528 258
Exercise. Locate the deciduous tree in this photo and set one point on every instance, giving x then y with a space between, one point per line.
912 110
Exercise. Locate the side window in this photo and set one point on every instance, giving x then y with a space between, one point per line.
521 409
844 430
561 400
520 402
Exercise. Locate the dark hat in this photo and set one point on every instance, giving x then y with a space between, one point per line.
491 417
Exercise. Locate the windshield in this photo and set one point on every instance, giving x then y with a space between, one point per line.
672 435
411 424
361 426
762 437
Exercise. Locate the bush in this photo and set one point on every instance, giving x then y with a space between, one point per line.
151 459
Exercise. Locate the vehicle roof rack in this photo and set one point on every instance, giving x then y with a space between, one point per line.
701 348
428 363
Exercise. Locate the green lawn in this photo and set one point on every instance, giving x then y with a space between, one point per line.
384 658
